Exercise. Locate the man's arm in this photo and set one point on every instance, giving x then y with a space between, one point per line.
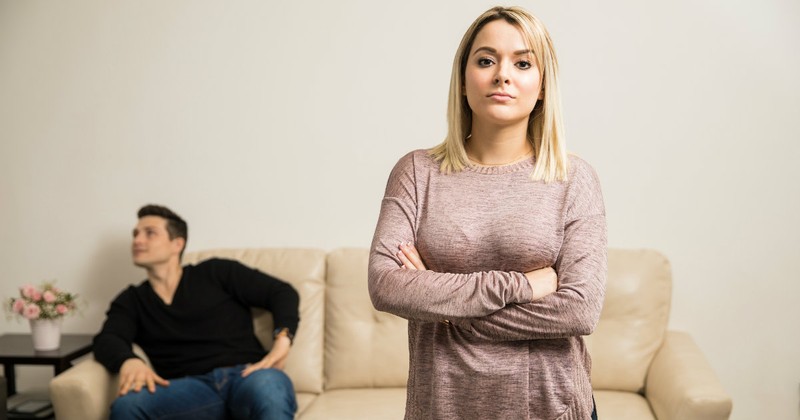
113 347
257 289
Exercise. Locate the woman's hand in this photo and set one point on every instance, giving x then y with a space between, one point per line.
276 358
410 258
135 374
543 282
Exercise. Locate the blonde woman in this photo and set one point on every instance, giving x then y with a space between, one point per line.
493 243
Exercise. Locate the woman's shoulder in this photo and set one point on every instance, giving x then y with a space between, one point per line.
584 187
416 159
579 169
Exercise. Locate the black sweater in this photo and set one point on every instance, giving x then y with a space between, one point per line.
208 325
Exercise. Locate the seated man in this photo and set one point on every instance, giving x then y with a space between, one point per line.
195 325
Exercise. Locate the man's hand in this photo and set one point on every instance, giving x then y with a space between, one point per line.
134 374
276 358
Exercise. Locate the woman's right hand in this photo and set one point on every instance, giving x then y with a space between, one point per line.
543 281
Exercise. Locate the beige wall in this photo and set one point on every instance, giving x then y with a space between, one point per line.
277 125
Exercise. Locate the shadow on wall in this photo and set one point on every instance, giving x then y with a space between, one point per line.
109 271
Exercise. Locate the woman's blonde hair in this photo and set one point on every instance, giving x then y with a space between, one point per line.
545 127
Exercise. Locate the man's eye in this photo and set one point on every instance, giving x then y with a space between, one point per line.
485 62
524 65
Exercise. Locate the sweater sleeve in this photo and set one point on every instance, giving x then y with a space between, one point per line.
254 288
112 346
428 295
574 309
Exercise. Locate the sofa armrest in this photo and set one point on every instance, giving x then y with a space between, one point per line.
681 384
84 391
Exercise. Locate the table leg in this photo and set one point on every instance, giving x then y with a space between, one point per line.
11 377
61 366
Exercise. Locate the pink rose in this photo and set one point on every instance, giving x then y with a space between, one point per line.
31 311
37 296
27 291
62 309
49 297
18 306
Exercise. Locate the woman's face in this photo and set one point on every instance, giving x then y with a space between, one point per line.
502 77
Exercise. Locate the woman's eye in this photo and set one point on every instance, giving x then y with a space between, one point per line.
524 65
485 62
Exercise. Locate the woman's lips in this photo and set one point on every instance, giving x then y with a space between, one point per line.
500 96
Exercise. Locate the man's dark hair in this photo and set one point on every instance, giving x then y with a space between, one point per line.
176 226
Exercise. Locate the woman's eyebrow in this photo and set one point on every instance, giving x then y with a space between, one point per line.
494 51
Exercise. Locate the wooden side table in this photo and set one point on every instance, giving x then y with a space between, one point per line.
17 349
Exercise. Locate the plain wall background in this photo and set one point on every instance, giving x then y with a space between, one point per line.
271 124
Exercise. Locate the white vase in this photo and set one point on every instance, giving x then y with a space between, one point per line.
46 333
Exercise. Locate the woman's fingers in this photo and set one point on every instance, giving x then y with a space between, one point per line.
412 255
409 257
406 263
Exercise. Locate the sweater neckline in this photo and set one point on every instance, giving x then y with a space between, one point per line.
500 169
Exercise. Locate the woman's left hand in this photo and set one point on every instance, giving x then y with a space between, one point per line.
410 258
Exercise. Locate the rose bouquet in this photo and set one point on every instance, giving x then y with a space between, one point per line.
43 302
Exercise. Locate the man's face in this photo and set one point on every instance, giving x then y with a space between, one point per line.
151 243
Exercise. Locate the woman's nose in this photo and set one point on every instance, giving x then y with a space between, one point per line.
501 77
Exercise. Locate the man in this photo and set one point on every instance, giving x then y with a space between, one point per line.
195 325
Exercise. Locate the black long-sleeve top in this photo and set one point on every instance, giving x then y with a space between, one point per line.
208 325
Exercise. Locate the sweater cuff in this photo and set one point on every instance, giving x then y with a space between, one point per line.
117 365
525 292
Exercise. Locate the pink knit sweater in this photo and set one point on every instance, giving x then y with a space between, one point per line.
478 231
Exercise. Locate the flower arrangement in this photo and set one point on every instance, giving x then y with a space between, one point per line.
43 302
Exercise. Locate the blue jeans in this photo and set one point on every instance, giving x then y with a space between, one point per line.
219 394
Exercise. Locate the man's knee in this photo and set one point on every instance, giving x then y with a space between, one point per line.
126 407
265 391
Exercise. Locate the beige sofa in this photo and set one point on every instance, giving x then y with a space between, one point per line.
350 361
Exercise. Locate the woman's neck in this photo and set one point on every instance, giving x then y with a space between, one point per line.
495 145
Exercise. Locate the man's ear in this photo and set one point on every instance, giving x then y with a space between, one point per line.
178 244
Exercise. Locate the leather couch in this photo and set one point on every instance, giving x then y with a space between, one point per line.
350 361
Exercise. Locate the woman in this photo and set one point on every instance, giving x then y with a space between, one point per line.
493 244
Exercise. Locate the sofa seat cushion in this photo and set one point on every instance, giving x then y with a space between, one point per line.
356 404
304 400
620 405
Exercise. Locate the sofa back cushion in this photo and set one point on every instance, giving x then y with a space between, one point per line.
305 270
633 321
363 347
